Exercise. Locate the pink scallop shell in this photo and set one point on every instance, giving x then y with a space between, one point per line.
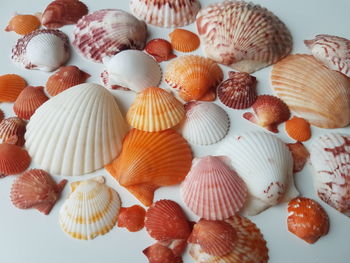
13 126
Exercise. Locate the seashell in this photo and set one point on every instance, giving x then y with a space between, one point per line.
13 159
238 91
62 12
265 164
76 132
300 155
43 49
270 111
133 70
150 160
11 86
212 190
13 126
36 189
248 244
183 40
2 116
332 51
158 253
132 218
307 219
65 78
241 35
330 157
90 210
23 24
106 32
168 13
195 77
298 129
313 92
154 110
160 49
28 101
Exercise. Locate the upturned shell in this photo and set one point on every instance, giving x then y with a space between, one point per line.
106 32
13 159
13 126
90 210
23 24
183 40
11 85
76 132
313 92
244 36
160 49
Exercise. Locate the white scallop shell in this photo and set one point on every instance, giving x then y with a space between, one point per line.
205 123
76 132
90 210
265 163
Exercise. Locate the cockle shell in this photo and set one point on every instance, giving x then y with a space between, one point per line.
13 126
183 40
36 189
244 36
330 157
160 49
76 132
131 69
212 190
332 51
313 92
165 13
90 210
106 32
205 123
43 49
265 164
23 24
13 159
155 109
11 85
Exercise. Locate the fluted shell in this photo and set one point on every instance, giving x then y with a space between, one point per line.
76 132
13 126
265 164
13 159
23 24
212 190
313 92
155 109
90 210
43 49
11 85
165 13
244 36
131 69
106 32
330 157
205 123
160 49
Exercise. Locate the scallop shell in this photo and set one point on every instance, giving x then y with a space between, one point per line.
90 210
157 253
166 13
132 218
160 49
205 123
36 189
11 85
300 155
62 12
65 78
149 160
23 24
154 109
13 126
183 40
332 51
330 157
195 77
13 159
76 132
106 32
313 92
2 116
298 129
133 70
212 190
265 163
28 101
244 36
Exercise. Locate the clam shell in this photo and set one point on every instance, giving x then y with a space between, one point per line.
160 49
330 157
265 164
212 190
90 210
313 92
43 49
13 159
244 36
11 85
165 13
106 32
154 109
23 24
205 123
183 40
13 126
76 132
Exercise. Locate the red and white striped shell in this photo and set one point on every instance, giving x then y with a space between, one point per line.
13 126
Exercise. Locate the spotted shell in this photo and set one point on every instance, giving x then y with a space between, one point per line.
11 85
23 24
13 126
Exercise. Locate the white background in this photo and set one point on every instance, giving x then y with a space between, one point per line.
26 236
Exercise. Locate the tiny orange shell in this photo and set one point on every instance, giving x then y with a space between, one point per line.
183 40
11 85
298 129
23 24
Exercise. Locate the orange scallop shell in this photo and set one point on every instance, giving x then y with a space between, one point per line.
157 253
23 24
132 218
11 86
13 126
298 129
183 40
160 49
13 159
300 155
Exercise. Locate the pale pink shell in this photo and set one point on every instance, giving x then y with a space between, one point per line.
13 126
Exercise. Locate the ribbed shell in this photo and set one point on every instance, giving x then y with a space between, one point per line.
13 126
183 40
160 49
11 85
242 35
23 24
76 132
313 92
13 159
